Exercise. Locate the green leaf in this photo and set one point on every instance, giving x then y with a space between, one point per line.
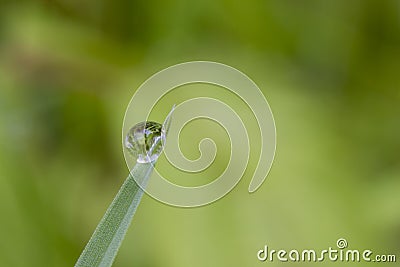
107 238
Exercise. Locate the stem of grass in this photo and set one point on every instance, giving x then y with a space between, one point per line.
107 238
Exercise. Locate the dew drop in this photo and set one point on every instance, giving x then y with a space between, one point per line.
145 140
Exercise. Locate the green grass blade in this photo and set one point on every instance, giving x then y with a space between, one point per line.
107 238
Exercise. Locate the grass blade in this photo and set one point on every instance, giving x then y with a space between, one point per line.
107 238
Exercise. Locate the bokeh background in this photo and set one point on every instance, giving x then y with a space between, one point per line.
329 69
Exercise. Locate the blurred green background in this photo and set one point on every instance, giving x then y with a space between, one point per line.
329 69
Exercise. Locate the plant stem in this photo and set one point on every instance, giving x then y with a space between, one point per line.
107 238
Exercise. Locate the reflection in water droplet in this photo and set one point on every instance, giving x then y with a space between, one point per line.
145 141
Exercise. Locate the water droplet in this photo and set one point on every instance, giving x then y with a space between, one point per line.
146 139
